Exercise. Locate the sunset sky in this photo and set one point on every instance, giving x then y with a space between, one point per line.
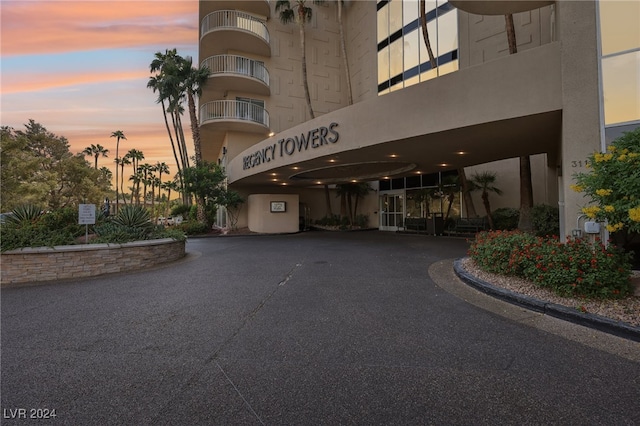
80 68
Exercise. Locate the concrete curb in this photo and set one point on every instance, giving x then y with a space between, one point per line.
597 322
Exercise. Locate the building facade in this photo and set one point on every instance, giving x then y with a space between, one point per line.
400 123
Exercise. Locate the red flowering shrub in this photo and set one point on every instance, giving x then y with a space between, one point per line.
574 268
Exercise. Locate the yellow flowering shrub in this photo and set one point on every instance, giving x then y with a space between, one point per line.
613 184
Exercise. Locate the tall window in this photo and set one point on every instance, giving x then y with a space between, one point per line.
402 54
620 38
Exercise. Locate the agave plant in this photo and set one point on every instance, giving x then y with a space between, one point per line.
24 214
134 217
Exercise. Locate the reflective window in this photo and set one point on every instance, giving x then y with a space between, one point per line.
619 26
383 24
395 16
383 65
621 85
407 61
620 43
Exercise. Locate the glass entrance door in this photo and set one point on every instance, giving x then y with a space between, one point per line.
391 211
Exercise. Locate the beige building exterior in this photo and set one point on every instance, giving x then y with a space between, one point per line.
481 109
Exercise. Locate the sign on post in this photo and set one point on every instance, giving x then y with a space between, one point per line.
87 214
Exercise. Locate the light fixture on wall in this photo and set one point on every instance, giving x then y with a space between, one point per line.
224 150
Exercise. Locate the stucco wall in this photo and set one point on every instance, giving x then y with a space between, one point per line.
262 220
85 260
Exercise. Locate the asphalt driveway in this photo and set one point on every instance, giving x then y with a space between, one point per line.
305 329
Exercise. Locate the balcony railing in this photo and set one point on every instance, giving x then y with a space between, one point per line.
233 110
239 65
233 19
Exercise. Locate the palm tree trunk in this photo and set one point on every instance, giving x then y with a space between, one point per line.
487 208
511 34
466 194
122 184
526 194
117 146
350 209
327 200
173 145
425 33
305 82
195 130
344 53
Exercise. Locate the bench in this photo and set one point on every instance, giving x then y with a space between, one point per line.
433 225
471 225
415 224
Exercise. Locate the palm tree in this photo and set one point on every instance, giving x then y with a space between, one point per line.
96 151
340 5
484 181
349 192
161 168
425 33
526 186
449 187
300 13
119 135
123 162
145 170
192 82
171 82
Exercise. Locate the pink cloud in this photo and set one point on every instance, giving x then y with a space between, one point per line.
33 27
31 82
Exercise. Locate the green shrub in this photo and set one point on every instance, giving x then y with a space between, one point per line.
506 218
29 226
112 232
333 220
501 252
575 268
33 235
180 209
192 227
545 220
362 220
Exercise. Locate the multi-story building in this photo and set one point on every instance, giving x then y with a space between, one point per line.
572 86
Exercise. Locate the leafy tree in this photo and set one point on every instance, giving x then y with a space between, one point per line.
96 151
299 13
613 186
232 201
205 181
484 181
38 168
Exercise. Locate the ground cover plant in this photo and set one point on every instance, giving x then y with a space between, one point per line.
575 268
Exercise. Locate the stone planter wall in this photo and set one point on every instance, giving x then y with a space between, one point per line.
85 260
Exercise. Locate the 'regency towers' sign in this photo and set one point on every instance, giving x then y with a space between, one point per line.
315 138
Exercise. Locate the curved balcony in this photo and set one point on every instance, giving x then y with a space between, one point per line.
237 73
235 115
258 7
498 7
234 30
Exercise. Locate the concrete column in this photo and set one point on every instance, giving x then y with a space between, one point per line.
581 134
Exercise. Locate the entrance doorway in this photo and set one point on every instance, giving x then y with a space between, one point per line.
391 211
